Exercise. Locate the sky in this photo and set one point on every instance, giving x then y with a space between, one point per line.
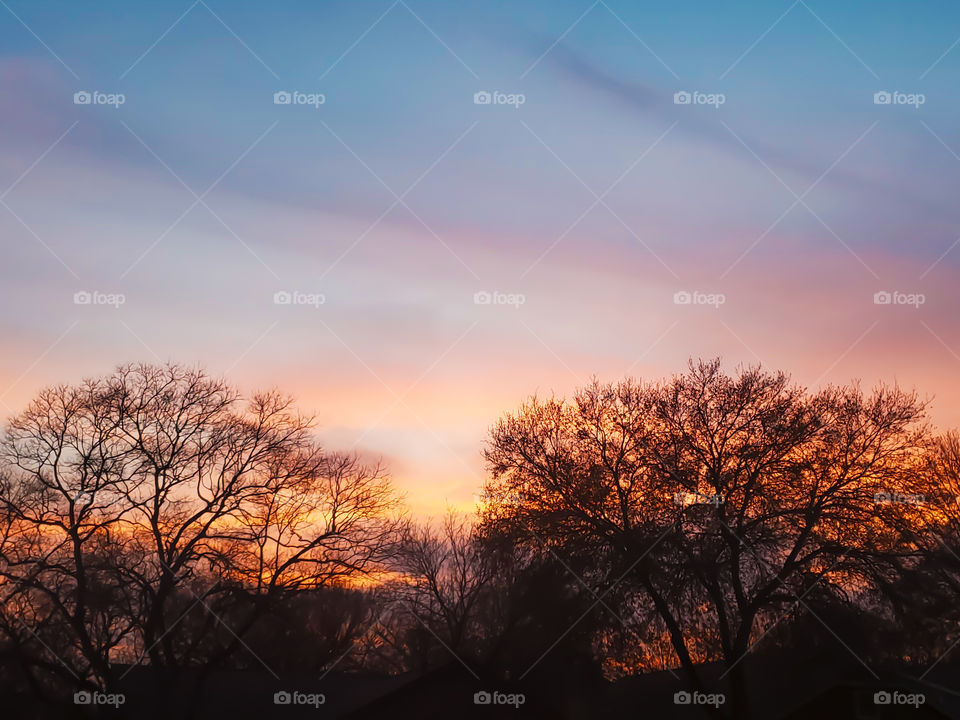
465 203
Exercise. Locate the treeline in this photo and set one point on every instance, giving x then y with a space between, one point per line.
156 517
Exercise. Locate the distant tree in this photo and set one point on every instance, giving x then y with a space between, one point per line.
461 595
719 502
445 575
311 630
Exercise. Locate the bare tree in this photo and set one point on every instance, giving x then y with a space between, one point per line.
320 519
445 573
141 509
740 494
931 587
64 471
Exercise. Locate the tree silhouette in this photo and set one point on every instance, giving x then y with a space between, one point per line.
141 509
157 517
717 501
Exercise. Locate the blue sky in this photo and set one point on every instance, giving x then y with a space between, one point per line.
398 199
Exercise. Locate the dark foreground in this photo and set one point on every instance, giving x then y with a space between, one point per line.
820 687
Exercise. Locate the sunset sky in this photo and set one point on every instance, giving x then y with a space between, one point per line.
582 211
